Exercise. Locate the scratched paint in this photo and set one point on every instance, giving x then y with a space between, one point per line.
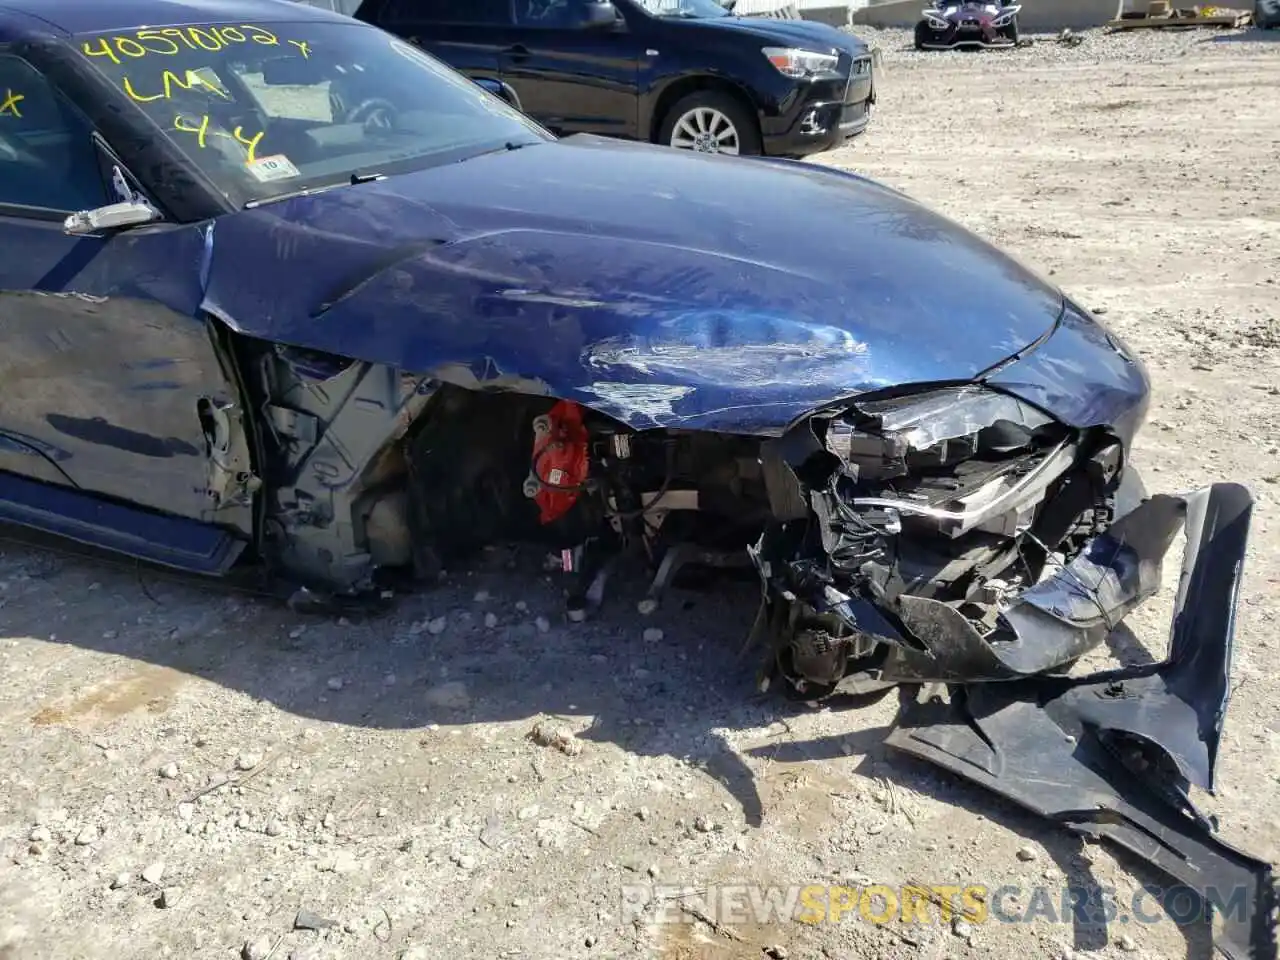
68 295
559 300
636 403
16 442
753 350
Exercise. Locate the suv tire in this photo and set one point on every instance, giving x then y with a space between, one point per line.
710 121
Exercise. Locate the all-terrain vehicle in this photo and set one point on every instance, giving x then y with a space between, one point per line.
949 24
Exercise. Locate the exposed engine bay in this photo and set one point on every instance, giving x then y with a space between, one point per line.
936 535
957 539
872 528
930 512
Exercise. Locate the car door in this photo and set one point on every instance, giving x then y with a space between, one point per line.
571 77
466 34
108 376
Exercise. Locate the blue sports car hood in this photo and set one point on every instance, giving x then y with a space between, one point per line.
661 287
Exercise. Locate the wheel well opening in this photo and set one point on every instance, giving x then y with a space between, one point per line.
682 88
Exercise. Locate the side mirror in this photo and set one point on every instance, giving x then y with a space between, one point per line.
114 216
501 90
597 14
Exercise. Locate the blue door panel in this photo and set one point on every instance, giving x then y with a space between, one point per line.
104 360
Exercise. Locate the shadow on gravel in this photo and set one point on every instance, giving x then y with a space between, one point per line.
675 696
672 696
1126 648
1048 898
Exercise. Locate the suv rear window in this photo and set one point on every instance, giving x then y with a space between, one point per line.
481 12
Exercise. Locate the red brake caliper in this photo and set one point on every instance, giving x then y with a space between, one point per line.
559 459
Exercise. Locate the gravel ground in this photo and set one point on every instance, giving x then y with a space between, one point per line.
184 771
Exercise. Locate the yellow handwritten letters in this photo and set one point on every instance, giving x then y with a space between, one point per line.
168 81
9 104
171 41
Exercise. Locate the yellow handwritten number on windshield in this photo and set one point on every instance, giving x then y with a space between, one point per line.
201 130
9 105
171 40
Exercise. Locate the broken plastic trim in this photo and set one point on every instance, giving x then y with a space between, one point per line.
1054 464
1052 622
1113 754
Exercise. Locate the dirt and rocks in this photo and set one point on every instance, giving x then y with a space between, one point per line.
188 774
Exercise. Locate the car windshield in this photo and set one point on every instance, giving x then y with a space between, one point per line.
690 9
273 109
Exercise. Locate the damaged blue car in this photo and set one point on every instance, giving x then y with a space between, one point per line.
283 297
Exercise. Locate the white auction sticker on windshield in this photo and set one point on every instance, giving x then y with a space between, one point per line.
277 167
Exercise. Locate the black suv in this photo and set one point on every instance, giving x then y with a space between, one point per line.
681 72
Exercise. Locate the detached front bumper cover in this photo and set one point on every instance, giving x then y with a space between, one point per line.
1114 754
1054 622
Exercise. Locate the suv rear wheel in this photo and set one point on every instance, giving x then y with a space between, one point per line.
709 121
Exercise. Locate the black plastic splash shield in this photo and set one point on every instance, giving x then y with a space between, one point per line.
1112 755
1053 622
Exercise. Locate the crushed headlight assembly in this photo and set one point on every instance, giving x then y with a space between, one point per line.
872 580
799 63
918 530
